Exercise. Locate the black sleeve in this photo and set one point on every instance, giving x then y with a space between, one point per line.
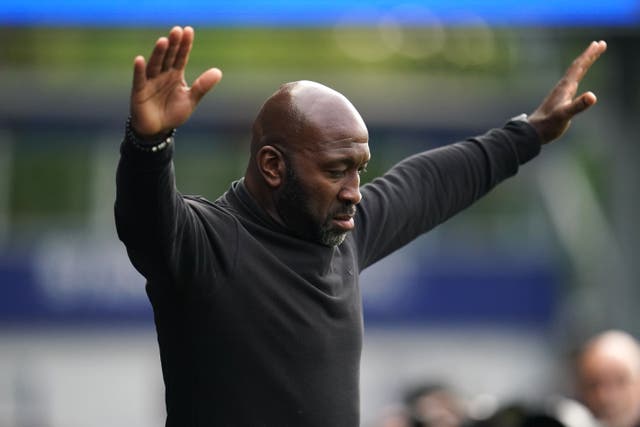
171 240
426 189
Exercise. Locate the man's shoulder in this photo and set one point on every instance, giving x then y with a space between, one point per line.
211 211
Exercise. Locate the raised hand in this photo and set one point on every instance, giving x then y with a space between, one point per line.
160 97
552 118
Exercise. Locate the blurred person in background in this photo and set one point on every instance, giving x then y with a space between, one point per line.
608 378
256 295
425 405
435 405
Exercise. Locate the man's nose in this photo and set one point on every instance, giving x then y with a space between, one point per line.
350 191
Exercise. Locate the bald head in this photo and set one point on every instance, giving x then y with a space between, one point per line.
617 345
608 372
303 113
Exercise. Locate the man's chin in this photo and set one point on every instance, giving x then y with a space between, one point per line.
333 238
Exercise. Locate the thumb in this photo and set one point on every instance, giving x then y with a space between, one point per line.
204 83
581 103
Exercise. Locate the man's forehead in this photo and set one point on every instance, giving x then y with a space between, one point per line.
340 147
334 144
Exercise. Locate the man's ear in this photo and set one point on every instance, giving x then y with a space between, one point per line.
271 165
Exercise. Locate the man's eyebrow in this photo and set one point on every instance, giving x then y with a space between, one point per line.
347 161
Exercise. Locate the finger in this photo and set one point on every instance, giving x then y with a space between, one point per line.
154 66
580 104
185 47
204 84
175 36
582 63
139 77
563 91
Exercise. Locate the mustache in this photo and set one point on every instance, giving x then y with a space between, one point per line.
349 209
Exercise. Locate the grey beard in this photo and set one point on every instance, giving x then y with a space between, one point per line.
332 237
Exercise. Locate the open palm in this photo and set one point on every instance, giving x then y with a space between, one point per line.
160 97
552 118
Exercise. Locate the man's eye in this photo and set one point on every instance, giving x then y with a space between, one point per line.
336 173
362 171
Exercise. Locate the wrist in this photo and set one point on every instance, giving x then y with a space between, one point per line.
151 143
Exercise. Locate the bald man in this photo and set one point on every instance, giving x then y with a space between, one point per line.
608 378
256 296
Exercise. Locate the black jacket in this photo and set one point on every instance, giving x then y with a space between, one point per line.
257 327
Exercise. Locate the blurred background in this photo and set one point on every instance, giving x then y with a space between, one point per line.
490 303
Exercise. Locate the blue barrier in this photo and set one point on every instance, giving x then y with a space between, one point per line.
78 280
318 13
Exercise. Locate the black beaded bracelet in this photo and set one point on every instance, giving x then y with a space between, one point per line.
147 146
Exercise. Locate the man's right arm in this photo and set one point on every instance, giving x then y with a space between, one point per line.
150 213
146 204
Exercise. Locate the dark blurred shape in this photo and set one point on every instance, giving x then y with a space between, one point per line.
519 415
541 421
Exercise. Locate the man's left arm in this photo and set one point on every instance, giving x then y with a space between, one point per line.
428 188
